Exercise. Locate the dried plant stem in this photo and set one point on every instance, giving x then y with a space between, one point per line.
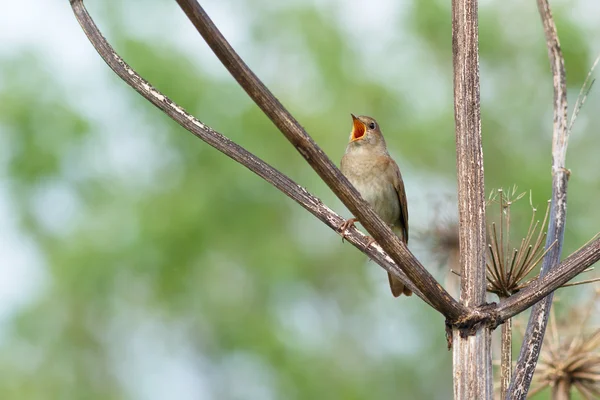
323 166
234 151
536 327
558 276
581 282
569 268
506 357
528 261
472 354
583 93
504 242
471 320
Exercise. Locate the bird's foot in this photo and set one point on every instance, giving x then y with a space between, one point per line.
370 242
345 226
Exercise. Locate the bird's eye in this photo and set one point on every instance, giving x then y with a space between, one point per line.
372 125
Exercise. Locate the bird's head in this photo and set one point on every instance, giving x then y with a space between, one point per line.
365 132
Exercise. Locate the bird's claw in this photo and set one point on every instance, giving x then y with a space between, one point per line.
370 242
345 226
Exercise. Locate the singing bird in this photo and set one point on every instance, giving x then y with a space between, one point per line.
370 168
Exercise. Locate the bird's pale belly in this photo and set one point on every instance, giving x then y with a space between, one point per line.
382 196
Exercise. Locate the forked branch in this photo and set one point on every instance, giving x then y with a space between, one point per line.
316 158
410 270
234 151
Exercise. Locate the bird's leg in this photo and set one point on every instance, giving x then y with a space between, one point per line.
345 226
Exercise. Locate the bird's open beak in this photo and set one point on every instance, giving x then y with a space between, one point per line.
358 129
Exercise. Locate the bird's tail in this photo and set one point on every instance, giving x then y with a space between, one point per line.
398 288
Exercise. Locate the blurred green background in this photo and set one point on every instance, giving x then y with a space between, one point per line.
139 263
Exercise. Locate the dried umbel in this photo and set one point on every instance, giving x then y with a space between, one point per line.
444 244
508 267
570 358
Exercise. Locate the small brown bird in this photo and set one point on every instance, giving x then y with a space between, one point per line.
369 167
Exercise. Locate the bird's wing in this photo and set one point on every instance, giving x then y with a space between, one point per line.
399 186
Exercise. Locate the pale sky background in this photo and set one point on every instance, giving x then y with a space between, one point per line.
49 27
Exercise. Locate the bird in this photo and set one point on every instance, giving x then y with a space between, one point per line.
368 165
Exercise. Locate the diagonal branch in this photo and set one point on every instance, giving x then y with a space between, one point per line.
474 313
329 173
555 278
536 327
299 194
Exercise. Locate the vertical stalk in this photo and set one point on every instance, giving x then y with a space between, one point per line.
472 351
506 358
538 319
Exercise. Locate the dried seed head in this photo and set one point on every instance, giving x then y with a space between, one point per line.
571 356
508 267
444 242
441 238
441 241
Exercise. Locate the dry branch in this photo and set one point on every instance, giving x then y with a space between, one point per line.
472 354
555 278
505 358
316 158
296 192
472 316
536 327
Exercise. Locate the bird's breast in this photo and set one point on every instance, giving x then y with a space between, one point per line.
370 179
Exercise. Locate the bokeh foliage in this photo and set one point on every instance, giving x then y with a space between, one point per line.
172 272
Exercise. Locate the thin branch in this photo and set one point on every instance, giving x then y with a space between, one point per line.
555 278
578 283
232 150
536 327
569 268
583 93
329 173
433 294
472 354
505 358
